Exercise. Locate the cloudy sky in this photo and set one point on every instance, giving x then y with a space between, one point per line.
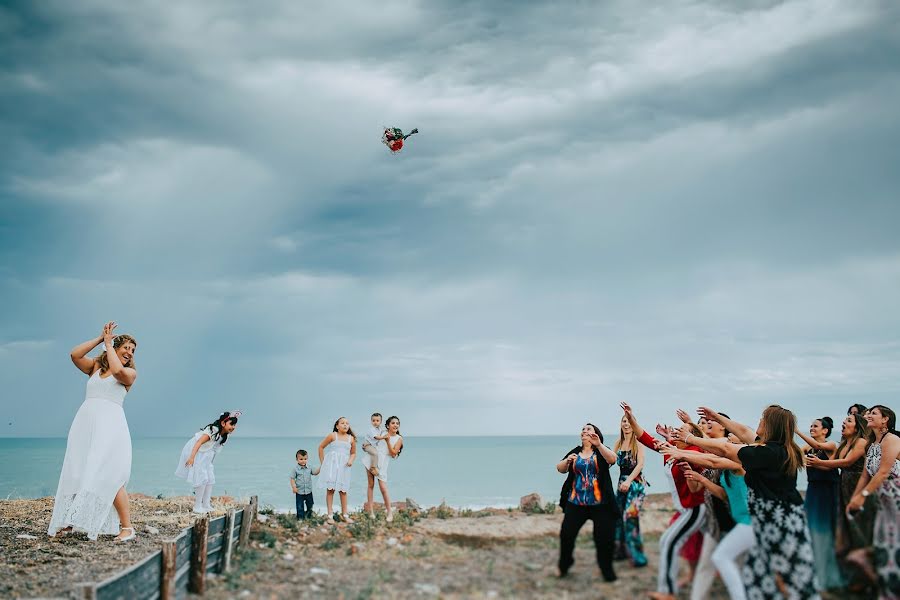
680 206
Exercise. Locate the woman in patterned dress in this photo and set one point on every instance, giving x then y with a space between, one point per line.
629 496
882 479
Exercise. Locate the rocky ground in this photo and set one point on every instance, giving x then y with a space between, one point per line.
436 553
32 565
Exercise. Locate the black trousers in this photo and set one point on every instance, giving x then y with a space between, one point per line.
604 517
304 512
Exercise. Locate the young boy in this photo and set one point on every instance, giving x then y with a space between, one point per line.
301 483
375 436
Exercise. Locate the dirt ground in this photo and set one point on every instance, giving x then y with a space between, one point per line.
439 554
33 565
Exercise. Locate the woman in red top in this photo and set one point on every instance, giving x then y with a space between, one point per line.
687 497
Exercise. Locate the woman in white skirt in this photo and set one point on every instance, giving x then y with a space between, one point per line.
334 473
197 456
91 496
390 449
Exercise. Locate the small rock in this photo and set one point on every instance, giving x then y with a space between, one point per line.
531 567
392 541
427 588
357 548
288 556
413 505
492 594
244 593
152 530
530 503
262 518
25 536
319 571
315 588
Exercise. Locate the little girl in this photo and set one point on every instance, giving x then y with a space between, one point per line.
198 454
335 470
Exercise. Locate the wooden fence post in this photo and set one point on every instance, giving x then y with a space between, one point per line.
227 543
197 574
169 571
254 507
246 522
86 591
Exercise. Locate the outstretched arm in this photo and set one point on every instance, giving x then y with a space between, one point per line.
411 133
856 452
632 420
701 459
720 446
826 446
745 433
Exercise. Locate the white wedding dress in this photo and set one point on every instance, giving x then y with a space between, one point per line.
97 463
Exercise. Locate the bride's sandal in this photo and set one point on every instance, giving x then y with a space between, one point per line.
130 536
63 532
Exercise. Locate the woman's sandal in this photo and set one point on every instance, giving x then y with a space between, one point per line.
346 519
130 536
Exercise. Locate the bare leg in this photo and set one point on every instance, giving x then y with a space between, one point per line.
382 485
343 502
370 494
120 502
329 504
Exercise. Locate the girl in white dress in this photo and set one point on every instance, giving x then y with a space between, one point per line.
390 449
196 462
91 496
334 473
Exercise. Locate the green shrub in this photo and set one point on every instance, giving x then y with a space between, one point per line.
286 520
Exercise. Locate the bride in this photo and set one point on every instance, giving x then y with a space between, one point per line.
91 496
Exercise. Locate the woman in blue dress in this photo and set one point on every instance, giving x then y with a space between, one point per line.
630 494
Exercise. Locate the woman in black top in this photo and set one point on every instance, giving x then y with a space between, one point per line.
588 494
780 565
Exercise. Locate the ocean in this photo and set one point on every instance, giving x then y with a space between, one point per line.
464 472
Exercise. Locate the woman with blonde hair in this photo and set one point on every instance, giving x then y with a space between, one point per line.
780 564
91 496
629 495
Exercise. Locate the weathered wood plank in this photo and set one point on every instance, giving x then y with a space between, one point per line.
169 570
228 538
246 524
215 542
212 561
138 581
238 516
216 525
197 576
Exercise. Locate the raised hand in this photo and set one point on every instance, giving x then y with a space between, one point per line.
108 335
667 449
709 414
683 416
679 435
627 409
664 431
595 439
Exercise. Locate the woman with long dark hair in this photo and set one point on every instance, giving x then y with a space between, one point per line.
91 496
391 448
822 503
853 537
882 479
588 494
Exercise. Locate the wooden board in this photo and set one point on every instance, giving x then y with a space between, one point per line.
139 581
216 525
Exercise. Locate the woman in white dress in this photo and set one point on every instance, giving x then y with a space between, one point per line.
390 449
334 474
91 496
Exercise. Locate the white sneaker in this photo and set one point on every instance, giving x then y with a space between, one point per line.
199 510
208 509
390 517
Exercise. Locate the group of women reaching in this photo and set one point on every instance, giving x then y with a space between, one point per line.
734 489
91 496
